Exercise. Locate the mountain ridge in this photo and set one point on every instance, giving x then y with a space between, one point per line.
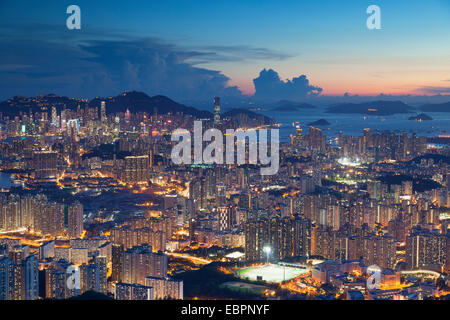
135 101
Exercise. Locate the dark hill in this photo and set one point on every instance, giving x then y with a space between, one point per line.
234 113
135 101
437 158
91 295
381 108
419 185
141 102
318 123
18 104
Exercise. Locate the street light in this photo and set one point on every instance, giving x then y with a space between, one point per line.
267 250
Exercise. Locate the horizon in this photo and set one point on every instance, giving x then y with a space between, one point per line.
316 102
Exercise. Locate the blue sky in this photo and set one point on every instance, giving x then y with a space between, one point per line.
226 42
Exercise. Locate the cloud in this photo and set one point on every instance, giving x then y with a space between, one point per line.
105 63
238 53
433 90
158 68
269 86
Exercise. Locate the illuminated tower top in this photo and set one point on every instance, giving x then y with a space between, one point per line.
298 135
298 130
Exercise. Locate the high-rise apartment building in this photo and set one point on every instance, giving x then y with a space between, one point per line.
425 249
277 238
93 276
136 169
45 164
141 262
127 291
165 288
117 253
75 220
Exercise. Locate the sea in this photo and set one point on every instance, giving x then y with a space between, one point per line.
354 124
6 181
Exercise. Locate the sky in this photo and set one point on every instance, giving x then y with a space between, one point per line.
197 49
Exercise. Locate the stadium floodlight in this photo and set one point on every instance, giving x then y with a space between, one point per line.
267 250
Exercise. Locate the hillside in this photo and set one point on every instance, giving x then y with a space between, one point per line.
141 102
236 113
134 101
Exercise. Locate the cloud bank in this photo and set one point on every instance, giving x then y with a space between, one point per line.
105 66
104 63
433 90
269 86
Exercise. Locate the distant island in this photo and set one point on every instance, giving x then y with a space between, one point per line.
319 123
439 107
380 108
421 117
289 106
286 108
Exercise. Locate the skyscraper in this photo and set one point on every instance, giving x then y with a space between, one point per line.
75 220
6 279
298 135
217 110
136 169
426 249
54 117
103 111
117 262
45 164
31 277
93 277
164 288
140 262
55 279
127 291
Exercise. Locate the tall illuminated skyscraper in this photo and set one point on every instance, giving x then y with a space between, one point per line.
54 117
103 111
217 110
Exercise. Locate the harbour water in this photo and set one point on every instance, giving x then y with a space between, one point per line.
5 181
354 124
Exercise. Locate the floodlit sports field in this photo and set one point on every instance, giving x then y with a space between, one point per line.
272 272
